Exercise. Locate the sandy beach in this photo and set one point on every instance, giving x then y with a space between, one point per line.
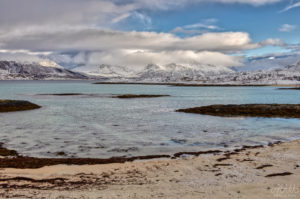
251 172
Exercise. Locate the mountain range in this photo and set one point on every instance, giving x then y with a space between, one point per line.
202 74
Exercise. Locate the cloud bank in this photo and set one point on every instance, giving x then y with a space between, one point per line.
79 33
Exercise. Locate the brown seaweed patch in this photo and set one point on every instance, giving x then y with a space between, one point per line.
129 96
61 153
221 165
245 147
248 110
279 174
7 152
16 105
52 181
264 166
223 159
33 163
271 144
176 155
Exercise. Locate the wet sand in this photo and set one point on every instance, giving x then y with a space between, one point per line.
249 172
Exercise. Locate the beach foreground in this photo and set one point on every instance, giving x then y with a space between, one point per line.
258 172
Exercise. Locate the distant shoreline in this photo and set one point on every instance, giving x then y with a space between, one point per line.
201 85
186 84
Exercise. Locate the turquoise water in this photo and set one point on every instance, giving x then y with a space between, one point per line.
100 126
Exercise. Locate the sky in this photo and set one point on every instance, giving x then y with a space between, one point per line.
87 33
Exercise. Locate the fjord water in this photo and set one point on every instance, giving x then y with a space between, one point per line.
101 126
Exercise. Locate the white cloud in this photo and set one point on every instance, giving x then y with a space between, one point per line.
287 28
96 46
78 32
272 42
291 6
201 25
167 4
197 28
120 18
87 39
140 58
188 32
89 12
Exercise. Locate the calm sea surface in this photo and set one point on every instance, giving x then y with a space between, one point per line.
100 126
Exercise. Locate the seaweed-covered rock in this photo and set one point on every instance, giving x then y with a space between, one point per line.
127 96
293 88
7 152
248 110
16 105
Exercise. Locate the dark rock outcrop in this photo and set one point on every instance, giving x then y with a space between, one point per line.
248 110
16 105
127 96
293 88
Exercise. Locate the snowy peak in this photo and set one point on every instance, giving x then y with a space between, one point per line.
15 70
294 67
153 67
114 71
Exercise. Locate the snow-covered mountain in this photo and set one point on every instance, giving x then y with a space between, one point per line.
171 73
156 73
174 72
288 75
19 71
294 67
115 71
204 75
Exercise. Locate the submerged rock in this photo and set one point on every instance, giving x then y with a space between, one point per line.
63 94
16 105
293 88
127 96
7 152
248 110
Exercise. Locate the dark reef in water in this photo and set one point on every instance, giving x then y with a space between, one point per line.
63 94
125 96
128 96
248 110
16 105
295 88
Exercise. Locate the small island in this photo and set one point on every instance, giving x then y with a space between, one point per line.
248 110
292 88
16 105
128 96
63 94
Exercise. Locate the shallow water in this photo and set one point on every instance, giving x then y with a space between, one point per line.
100 126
